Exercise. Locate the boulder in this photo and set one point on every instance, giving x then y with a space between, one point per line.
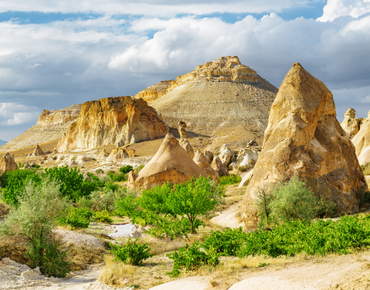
246 159
220 168
351 124
117 154
184 143
171 163
118 121
362 141
226 154
131 180
7 163
202 162
209 155
304 139
181 129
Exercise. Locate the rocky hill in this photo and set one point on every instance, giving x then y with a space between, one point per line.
50 126
223 100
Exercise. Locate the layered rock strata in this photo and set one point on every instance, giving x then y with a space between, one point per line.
304 138
118 121
351 124
171 163
362 141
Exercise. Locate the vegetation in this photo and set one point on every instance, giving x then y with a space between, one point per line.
77 218
137 169
366 169
116 176
126 169
131 253
230 179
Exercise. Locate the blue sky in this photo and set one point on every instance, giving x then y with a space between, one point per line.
57 53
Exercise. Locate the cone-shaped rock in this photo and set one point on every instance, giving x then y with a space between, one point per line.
7 163
37 151
362 141
304 138
171 163
202 162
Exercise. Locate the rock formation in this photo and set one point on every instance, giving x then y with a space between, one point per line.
7 163
171 163
103 154
362 141
117 154
37 151
27 166
304 138
202 162
208 155
118 121
50 126
181 129
246 158
223 99
226 154
220 168
351 124
184 143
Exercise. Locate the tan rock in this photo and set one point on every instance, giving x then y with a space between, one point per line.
118 121
351 124
209 155
103 154
37 151
304 138
202 162
181 129
7 163
129 152
171 163
362 141
184 143
226 154
220 168
131 180
27 166
246 158
117 154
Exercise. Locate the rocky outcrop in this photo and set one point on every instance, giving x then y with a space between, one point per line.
118 121
304 139
103 154
223 99
7 163
50 126
351 124
181 128
220 168
184 143
27 166
171 163
37 151
246 158
117 154
208 155
362 141
202 162
226 154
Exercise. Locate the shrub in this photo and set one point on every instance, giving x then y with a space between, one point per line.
114 176
366 168
77 218
99 171
110 186
137 169
227 243
103 216
126 169
230 179
34 218
131 253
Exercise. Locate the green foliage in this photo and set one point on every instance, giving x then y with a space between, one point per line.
131 253
155 198
111 186
126 169
103 216
364 197
77 218
137 169
191 258
230 179
115 176
21 165
34 218
366 168
99 171
227 243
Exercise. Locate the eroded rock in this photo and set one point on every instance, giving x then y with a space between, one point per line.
202 162
7 163
184 143
362 141
220 168
351 124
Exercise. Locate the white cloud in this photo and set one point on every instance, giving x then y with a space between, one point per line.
15 114
337 8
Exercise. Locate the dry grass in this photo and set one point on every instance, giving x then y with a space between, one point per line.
80 257
4 209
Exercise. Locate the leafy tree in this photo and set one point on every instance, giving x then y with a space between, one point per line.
126 169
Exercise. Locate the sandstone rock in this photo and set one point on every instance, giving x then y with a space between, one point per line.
226 154
37 152
362 142
181 129
246 178
131 179
171 163
246 158
202 162
27 165
351 124
209 156
118 121
129 152
222 98
304 138
103 154
7 163
117 154
220 168
184 143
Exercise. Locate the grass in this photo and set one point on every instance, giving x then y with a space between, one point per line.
366 168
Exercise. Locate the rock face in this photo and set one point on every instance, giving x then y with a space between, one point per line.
7 163
223 99
50 126
184 143
118 121
170 164
202 162
351 124
304 138
362 141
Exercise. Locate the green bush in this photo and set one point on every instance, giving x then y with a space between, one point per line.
99 171
77 218
103 216
126 169
366 168
115 176
131 253
230 179
110 186
138 169
227 243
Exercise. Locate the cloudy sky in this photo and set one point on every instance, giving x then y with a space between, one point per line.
57 53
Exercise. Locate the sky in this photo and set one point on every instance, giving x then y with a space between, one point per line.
54 54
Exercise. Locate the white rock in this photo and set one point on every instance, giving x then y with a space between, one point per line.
225 154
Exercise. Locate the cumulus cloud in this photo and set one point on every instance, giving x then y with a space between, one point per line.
15 114
337 8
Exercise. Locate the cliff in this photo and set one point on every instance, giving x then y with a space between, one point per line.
118 121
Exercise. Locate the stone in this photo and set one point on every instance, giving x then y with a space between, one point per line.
7 163
117 154
304 139
103 154
361 141
131 180
202 162
27 166
112 121
351 124
226 154
209 155
246 178
129 152
181 129
171 163
220 168
246 159
37 151
184 143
